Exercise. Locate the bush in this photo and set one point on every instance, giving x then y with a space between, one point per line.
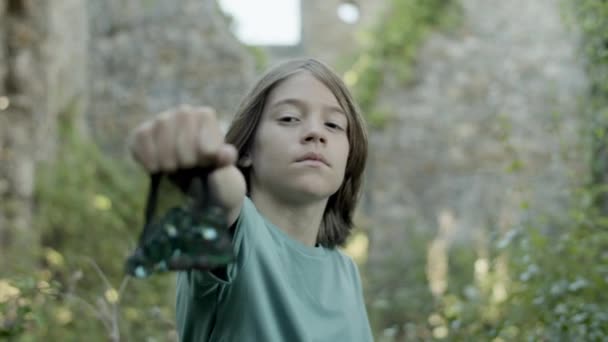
89 210
556 289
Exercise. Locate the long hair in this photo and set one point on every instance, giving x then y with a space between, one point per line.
337 220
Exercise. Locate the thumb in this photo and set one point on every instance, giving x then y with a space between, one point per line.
226 155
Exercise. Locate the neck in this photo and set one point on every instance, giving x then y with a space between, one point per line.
301 221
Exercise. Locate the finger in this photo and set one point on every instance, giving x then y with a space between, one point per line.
165 135
186 140
209 138
226 155
143 147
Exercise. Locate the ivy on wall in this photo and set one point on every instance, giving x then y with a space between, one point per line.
591 18
391 47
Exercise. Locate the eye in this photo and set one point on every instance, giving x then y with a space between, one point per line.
333 125
289 119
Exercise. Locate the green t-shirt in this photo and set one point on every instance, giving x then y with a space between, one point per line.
277 290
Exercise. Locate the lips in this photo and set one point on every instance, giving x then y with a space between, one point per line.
313 156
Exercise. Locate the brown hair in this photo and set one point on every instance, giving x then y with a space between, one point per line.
337 220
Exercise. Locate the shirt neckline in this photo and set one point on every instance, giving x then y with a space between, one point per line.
293 243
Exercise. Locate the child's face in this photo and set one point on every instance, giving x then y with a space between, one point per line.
301 115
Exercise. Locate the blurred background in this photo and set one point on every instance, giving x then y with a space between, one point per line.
485 210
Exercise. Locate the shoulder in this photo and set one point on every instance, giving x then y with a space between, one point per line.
342 255
345 257
347 263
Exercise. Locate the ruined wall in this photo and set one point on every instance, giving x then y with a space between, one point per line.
488 127
108 65
147 56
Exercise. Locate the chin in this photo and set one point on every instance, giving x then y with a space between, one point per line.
315 190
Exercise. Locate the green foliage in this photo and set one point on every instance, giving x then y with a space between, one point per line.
392 45
591 17
379 118
89 211
398 297
545 280
26 304
556 288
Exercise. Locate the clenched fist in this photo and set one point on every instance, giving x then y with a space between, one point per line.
181 138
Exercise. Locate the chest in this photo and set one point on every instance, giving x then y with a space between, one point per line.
282 281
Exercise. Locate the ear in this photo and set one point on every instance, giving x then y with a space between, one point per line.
245 160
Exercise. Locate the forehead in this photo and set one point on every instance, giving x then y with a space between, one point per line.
305 87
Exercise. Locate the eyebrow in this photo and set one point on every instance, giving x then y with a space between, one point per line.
301 104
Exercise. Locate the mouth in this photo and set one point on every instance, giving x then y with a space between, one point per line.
314 157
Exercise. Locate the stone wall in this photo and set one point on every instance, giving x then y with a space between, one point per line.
40 78
108 64
489 126
148 56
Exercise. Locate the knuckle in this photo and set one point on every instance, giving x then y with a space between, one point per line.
164 121
142 129
184 120
207 113
182 114
166 115
184 108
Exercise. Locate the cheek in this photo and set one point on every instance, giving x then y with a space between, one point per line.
267 147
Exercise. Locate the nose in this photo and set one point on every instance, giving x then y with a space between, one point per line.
314 132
